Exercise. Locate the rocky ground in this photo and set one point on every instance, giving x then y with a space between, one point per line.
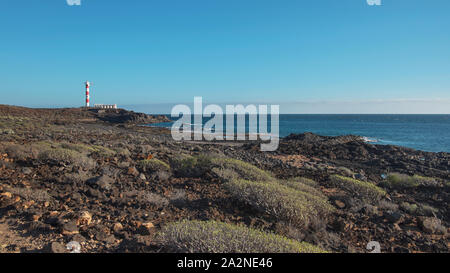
76 175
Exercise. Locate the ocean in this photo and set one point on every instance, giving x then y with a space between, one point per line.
421 132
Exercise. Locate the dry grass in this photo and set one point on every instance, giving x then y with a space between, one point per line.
217 237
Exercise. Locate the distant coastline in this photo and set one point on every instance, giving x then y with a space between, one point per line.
427 132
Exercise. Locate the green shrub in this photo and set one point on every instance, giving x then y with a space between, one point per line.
239 169
7 131
403 181
226 174
217 237
153 165
386 205
305 181
281 202
420 209
345 171
122 151
11 122
31 194
191 166
26 151
225 168
43 145
447 184
88 149
304 185
63 152
103 151
409 208
61 155
365 191
427 210
154 199
307 188
81 148
16 151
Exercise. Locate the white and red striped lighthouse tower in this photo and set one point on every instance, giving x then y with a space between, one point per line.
88 84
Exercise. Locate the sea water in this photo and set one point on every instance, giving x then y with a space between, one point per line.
421 132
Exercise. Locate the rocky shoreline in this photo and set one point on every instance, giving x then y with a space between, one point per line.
97 178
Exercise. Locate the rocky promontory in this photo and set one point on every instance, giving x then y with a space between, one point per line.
98 179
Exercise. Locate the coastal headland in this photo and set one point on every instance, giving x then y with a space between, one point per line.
99 178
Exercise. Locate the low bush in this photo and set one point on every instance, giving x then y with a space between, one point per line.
88 149
280 201
386 205
16 151
153 165
304 185
12 122
345 171
191 166
7 131
178 197
155 199
217 237
225 168
123 152
81 148
409 208
226 174
403 181
66 156
427 210
31 194
305 181
229 169
365 191
103 151
66 153
60 154
161 175
74 178
419 209
447 184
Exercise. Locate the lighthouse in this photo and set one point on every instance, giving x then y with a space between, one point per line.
88 84
96 106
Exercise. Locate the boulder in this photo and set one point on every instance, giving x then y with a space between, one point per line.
56 247
69 228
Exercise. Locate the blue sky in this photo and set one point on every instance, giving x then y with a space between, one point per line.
309 56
